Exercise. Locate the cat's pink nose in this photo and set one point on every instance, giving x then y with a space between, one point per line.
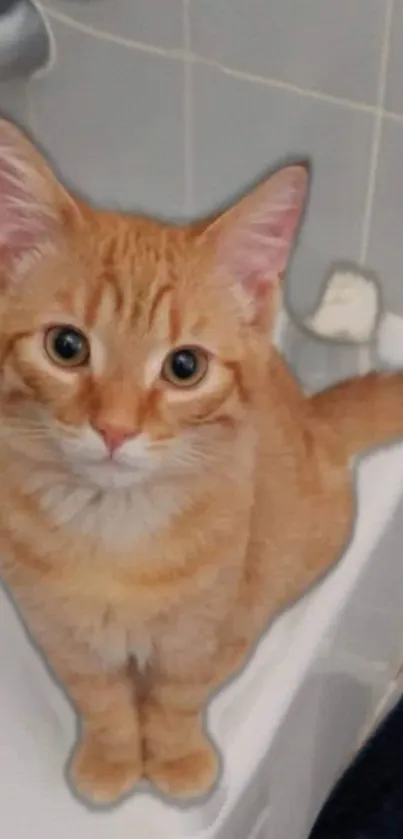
115 435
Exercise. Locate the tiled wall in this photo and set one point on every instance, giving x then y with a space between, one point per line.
173 106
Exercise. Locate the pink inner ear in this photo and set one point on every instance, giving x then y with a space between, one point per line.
265 245
25 218
257 246
22 223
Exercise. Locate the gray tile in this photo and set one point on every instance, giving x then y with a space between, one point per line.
328 45
394 88
14 101
112 120
317 364
386 244
150 21
241 129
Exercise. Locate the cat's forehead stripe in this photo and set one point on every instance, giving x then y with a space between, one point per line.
159 313
99 293
174 323
105 306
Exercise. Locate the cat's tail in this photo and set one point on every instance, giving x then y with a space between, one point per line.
366 412
362 413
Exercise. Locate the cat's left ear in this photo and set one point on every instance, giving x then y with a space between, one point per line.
252 242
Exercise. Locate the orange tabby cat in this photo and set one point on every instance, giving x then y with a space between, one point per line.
165 486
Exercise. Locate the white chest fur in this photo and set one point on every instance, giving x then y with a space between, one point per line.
117 518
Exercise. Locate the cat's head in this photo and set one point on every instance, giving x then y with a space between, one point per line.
128 346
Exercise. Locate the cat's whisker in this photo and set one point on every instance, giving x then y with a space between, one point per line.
24 431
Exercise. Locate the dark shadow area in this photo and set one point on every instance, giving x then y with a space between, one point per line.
367 803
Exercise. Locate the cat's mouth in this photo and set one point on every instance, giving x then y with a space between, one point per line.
110 461
108 473
102 470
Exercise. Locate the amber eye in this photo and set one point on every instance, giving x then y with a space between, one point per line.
67 346
185 366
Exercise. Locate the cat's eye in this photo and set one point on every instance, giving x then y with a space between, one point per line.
185 366
67 346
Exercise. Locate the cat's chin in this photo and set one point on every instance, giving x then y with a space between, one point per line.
108 475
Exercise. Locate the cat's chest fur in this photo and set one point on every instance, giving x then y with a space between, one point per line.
122 602
116 572
122 618
116 519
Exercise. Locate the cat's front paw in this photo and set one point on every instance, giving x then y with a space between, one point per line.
102 776
190 776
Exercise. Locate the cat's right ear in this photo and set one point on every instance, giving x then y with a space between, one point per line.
250 244
35 209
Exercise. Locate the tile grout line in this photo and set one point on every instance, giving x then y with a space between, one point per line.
103 35
364 353
393 116
188 113
377 135
287 87
187 55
